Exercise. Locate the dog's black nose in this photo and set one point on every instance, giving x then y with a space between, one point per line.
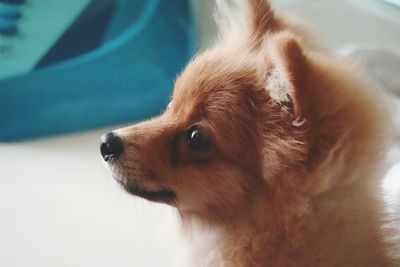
111 146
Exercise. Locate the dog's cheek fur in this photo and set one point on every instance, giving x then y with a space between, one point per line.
225 181
217 194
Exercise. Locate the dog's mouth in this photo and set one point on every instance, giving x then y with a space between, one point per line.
163 195
131 185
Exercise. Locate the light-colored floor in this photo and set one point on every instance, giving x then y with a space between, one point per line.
59 207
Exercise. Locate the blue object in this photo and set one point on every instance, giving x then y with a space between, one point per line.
15 2
8 26
126 78
9 11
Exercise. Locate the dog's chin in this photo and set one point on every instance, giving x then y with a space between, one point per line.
163 195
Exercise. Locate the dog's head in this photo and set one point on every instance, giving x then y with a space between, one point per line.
237 124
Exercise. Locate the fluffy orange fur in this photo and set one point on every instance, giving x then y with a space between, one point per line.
291 177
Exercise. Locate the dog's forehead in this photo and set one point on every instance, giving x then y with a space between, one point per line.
203 75
214 80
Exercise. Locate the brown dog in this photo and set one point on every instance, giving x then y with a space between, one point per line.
271 142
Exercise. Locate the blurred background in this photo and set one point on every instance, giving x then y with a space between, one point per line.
73 70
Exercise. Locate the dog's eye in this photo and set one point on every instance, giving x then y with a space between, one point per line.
197 139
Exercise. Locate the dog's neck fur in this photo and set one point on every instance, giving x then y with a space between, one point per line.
299 231
302 237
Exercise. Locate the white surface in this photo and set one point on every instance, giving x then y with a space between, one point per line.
59 207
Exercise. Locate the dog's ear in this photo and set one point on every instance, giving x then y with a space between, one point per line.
261 19
253 17
287 69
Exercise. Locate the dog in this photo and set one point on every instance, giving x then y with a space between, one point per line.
272 144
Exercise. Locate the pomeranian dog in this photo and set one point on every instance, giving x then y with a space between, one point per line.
271 142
